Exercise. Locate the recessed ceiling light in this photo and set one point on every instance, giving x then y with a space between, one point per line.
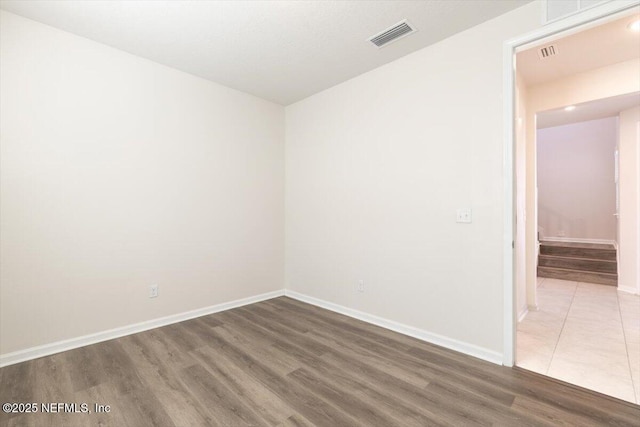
634 26
570 108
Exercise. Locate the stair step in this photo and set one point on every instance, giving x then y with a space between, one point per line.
578 245
583 250
579 263
578 276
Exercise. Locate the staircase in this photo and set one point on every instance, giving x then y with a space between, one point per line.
580 262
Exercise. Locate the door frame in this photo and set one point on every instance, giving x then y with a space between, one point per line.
557 29
637 290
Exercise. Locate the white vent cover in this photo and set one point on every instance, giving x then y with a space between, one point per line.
393 33
547 51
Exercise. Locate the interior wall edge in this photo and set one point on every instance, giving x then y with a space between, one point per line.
72 343
421 334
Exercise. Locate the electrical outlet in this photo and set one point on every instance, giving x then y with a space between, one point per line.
361 286
463 216
153 291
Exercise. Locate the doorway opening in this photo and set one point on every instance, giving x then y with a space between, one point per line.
575 304
583 329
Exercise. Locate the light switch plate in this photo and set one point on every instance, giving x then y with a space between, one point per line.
463 216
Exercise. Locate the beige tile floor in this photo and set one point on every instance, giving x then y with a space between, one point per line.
584 334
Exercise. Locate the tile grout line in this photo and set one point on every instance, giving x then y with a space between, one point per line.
541 282
626 347
564 322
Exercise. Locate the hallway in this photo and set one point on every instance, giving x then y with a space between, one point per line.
584 334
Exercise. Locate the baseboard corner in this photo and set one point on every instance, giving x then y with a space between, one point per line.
522 313
628 290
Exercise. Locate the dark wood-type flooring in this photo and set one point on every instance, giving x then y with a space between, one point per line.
285 363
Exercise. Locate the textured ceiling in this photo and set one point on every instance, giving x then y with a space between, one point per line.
282 51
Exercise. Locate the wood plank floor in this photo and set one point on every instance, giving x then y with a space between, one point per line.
285 363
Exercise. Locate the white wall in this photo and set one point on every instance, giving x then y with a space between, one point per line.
605 82
629 233
576 180
376 168
118 173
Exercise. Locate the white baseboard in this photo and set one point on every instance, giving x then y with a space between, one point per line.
579 240
628 289
450 343
522 313
60 346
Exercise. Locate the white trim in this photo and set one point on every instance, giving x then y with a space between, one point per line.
579 240
508 213
637 290
580 9
421 334
628 290
564 26
523 313
70 344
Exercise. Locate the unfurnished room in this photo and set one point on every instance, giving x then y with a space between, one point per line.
319 213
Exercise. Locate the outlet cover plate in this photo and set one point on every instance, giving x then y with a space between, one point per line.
463 216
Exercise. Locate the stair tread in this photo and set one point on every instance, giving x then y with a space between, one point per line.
612 275
579 264
577 245
578 252
549 256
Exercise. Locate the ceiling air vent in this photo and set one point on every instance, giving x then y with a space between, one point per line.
393 33
547 51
